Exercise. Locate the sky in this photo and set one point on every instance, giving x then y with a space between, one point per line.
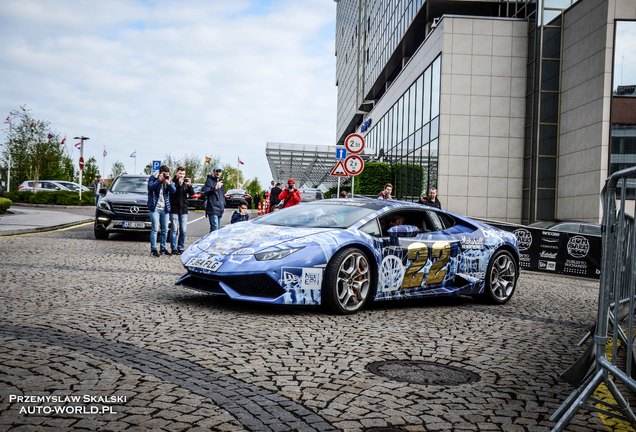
624 58
209 77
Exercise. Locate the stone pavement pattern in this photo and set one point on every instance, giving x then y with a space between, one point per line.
84 317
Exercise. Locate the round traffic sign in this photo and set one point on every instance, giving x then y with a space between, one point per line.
354 165
354 143
81 162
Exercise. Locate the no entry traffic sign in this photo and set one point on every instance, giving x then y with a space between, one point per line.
81 162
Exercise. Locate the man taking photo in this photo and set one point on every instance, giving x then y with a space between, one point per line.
290 196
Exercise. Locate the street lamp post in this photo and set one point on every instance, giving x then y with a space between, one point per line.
82 139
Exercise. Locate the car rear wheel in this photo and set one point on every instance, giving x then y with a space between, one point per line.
101 234
501 278
347 284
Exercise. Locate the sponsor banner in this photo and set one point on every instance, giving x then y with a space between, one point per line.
557 252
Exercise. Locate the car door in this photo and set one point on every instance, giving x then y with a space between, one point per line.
418 258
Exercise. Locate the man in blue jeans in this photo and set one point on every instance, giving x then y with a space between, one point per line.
215 198
159 190
179 210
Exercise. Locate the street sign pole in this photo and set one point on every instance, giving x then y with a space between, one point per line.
82 138
338 192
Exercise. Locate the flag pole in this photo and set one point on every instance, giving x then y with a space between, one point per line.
104 163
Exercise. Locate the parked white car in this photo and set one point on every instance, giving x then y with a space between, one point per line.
50 185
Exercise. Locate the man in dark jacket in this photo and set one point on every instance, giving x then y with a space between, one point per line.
431 199
215 198
179 210
273 196
159 190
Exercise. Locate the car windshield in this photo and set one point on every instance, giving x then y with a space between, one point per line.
314 216
235 192
197 187
130 184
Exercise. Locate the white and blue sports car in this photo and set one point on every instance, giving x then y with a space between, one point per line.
343 253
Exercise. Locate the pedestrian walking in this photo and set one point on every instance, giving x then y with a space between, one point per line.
290 196
385 194
241 214
215 198
159 190
179 210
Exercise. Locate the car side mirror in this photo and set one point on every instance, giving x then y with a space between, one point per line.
403 231
102 191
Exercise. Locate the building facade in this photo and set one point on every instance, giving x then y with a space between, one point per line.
503 106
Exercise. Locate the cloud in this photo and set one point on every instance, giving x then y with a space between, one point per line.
207 77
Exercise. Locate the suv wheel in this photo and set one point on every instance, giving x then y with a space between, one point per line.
101 234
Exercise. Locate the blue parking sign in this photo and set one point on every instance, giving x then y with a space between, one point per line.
341 153
156 164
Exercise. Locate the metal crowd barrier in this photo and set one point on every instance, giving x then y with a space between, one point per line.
604 362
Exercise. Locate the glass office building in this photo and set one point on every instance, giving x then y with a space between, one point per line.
502 105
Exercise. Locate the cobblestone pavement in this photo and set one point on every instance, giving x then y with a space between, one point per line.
81 318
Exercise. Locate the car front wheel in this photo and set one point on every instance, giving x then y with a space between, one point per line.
101 234
347 284
501 278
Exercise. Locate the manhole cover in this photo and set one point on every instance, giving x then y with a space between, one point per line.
422 372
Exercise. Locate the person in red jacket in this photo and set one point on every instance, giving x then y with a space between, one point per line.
290 196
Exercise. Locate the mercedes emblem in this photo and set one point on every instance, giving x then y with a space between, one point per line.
134 209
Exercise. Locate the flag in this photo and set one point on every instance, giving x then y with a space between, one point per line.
105 153
8 120
240 161
208 159
63 141
133 154
49 136
78 144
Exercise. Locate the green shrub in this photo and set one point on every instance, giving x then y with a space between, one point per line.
54 197
5 203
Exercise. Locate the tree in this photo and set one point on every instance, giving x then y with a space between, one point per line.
34 151
253 187
232 177
117 169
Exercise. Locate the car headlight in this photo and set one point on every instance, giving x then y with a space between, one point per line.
275 254
104 205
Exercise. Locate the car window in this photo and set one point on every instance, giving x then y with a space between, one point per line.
566 227
70 185
372 228
51 186
130 184
591 229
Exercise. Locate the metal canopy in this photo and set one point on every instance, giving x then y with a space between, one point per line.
309 165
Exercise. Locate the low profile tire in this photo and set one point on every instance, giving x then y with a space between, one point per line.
101 234
501 278
346 287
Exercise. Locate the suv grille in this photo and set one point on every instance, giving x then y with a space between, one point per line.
125 209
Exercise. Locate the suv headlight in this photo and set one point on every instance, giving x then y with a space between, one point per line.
275 254
104 205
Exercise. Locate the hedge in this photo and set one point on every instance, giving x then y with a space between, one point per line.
5 203
53 197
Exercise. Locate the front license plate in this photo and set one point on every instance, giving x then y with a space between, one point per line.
133 224
204 263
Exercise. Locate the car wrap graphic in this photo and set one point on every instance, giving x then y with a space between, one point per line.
295 259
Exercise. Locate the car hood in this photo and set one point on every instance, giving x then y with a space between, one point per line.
249 238
128 197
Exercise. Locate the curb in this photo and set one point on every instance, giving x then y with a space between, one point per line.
18 204
43 228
